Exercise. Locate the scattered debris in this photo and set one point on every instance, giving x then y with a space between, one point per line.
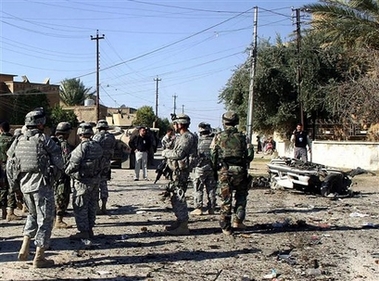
271 275
311 177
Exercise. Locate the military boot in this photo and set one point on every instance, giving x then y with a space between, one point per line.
181 229
4 212
80 235
24 251
211 211
238 225
59 223
19 205
227 231
39 259
197 212
25 209
11 215
172 226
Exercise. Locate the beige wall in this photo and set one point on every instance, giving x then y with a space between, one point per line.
339 154
8 86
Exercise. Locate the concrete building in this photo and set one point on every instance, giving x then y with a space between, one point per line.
121 117
10 87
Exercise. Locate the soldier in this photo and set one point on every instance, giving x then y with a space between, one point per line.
34 163
168 139
179 161
204 174
108 143
230 157
62 187
7 197
85 167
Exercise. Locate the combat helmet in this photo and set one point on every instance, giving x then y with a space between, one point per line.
35 118
182 119
63 128
230 118
204 128
85 129
102 124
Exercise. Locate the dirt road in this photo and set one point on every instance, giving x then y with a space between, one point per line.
291 234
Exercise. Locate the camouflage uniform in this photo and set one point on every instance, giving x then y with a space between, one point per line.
230 156
108 143
7 199
204 174
85 168
62 187
178 159
34 163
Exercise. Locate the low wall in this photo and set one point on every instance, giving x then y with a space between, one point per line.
339 154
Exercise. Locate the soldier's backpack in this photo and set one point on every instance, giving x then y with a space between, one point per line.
204 150
107 142
192 158
233 147
93 161
32 156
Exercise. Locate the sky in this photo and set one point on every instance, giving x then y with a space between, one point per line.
191 47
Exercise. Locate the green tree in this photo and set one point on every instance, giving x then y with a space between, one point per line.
58 114
145 116
25 101
276 97
236 91
73 92
352 23
353 27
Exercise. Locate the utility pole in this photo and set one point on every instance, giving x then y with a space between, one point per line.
182 108
156 95
97 38
174 96
253 60
298 69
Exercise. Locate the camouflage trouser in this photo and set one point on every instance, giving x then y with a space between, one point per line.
103 188
178 188
84 202
204 179
39 222
62 190
7 197
232 180
103 184
3 187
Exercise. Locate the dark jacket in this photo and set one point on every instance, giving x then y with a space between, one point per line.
140 143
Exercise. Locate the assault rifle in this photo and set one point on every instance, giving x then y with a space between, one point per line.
163 169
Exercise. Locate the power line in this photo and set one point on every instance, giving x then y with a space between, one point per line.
169 45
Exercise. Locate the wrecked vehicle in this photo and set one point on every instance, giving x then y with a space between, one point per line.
311 177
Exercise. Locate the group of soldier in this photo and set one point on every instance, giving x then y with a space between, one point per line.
220 163
43 171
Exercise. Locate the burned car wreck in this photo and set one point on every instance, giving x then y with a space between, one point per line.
309 177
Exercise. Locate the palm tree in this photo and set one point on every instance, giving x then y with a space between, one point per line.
351 23
73 92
